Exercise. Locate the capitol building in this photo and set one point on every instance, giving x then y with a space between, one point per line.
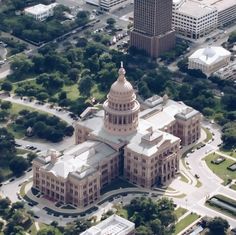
141 145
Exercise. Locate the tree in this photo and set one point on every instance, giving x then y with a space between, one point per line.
21 65
7 145
55 136
74 74
82 18
218 226
232 37
69 130
229 134
6 86
42 96
31 157
85 85
4 203
77 227
111 22
1 175
62 95
49 231
143 230
3 115
18 165
156 226
6 105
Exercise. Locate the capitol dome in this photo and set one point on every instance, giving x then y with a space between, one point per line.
121 107
121 89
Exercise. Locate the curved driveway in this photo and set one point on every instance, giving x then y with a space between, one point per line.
211 183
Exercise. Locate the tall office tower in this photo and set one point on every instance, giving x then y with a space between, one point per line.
152 26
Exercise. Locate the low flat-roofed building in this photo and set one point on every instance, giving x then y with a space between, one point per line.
228 72
114 225
40 12
193 20
209 59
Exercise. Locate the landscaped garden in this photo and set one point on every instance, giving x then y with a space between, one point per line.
221 169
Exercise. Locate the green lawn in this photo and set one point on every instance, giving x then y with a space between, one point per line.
32 229
221 169
185 222
7 173
22 189
233 186
72 91
180 211
230 152
97 94
121 211
183 178
209 135
18 132
16 108
22 151
199 183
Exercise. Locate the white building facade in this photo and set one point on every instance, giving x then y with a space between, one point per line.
226 10
114 225
40 12
193 20
108 5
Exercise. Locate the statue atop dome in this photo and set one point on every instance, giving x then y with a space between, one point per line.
121 72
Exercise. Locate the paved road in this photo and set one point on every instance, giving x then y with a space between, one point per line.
64 115
40 144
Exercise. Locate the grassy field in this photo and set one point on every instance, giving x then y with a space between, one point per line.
209 135
18 132
233 186
180 211
199 184
229 152
121 211
7 173
22 151
16 108
32 229
221 169
72 91
183 178
185 222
